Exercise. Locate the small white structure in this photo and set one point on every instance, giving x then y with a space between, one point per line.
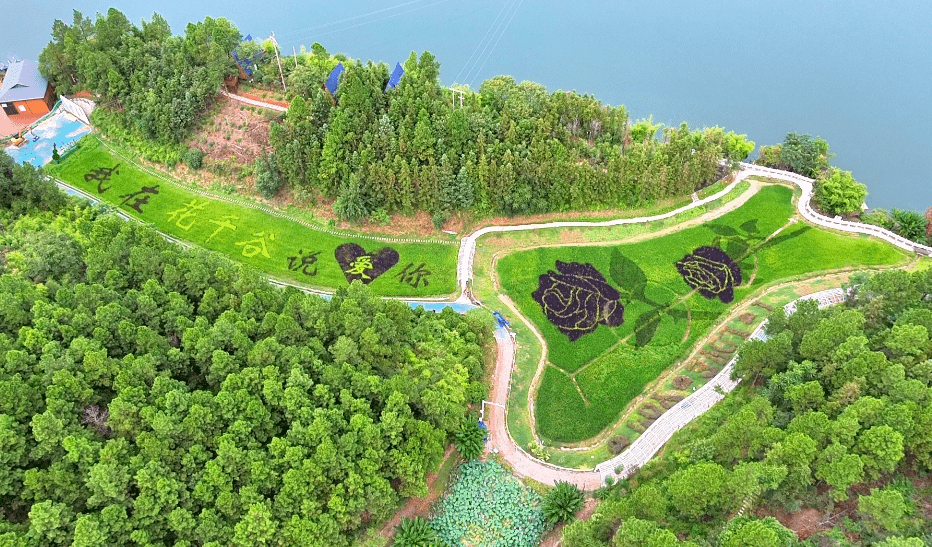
79 108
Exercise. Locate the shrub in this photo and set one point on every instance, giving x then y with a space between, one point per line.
268 181
414 532
617 444
878 217
909 224
380 216
469 439
439 219
194 158
561 503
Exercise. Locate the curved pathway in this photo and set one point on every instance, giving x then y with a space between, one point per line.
253 102
649 442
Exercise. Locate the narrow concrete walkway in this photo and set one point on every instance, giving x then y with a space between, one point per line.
253 102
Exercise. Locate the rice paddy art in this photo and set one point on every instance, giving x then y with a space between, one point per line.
577 299
712 272
356 263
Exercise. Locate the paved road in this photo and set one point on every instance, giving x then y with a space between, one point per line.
499 440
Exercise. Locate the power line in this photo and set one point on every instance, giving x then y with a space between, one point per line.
350 18
370 22
496 43
480 42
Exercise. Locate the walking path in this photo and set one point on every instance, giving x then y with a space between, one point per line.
253 102
648 443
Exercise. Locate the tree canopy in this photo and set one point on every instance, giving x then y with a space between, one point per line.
153 395
162 83
510 148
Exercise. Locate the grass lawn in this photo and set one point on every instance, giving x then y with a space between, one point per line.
277 245
592 379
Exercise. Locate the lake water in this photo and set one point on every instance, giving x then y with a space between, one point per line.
856 73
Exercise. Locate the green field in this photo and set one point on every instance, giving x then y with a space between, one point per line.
588 382
277 245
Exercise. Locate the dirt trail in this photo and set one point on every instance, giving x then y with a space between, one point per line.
416 507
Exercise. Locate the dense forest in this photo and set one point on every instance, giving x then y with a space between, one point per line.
833 413
155 395
507 148
510 148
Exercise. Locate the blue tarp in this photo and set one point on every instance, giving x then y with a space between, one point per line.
334 79
395 77
502 322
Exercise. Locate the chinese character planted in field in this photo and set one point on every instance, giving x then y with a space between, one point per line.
305 262
222 223
360 265
255 246
101 175
366 266
189 210
138 202
413 276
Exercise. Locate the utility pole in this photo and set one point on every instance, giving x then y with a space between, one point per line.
293 50
461 93
277 58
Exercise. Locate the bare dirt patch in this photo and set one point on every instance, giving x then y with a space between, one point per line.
235 133
804 522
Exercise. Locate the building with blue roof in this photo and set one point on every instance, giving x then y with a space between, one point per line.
25 91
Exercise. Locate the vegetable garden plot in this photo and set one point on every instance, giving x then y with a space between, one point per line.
671 291
279 246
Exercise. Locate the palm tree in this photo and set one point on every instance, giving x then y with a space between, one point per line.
415 532
469 439
561 503
909 224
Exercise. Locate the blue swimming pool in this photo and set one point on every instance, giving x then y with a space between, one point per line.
60 130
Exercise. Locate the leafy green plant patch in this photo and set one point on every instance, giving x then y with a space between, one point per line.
488 507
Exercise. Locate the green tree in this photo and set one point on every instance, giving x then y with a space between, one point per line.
697 490
562 502
840 470
268 180
747 532
805 155
883 509
641 533
839 193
